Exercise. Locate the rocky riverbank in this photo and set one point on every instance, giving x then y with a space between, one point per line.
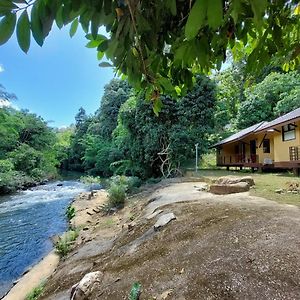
175 240
84 204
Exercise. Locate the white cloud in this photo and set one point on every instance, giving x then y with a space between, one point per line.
1 68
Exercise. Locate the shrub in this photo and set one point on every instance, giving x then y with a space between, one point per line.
36 292
116 195
133 183
135 291
70 213
208 161
90 179
64 244
6 165
12 181
37 174
129 182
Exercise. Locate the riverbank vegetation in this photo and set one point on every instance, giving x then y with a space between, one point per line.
27 152
125 137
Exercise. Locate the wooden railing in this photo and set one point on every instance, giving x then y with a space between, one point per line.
294 153
237 159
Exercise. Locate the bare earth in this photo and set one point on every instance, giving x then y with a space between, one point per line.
220 247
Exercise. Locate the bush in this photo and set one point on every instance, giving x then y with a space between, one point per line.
133 183
70 213
6 166
117 195
36 292
64 244
37 174
90 179
12 181
135 291
208 161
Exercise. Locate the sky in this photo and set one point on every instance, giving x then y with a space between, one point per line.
55 80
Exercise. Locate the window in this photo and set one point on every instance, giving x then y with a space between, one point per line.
288 132
266 146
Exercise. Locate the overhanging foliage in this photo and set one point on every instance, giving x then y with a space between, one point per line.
160 45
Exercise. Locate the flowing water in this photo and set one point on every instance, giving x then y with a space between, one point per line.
27 221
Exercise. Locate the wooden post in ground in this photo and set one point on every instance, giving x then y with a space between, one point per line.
296 171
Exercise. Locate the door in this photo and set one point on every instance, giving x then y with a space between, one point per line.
253 151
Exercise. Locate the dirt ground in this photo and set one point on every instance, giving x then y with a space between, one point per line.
219 247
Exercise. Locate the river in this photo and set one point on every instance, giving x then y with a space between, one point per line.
27 221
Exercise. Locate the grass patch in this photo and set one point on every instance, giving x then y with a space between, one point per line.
36 292
107 223
265 184
66 241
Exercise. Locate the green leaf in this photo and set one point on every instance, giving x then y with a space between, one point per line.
105 64
95 26
142 24
36 25
7 27
74 27
171 4
196 19
100 55
23 31
103 46
214 13
236 7
166 84
258 8
59 18
8 5
92 44
157 106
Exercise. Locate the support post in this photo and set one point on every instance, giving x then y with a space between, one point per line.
196 166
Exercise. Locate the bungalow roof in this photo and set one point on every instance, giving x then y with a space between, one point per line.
241 134
289 117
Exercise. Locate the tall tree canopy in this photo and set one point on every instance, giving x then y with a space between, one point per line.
160 45
276 95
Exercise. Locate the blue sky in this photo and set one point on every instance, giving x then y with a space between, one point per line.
55 80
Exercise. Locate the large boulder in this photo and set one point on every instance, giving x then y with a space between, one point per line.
86 285
229 188
235 179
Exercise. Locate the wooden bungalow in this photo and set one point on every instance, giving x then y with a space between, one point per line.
267 145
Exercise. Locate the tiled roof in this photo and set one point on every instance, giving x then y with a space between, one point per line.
239 135
291 116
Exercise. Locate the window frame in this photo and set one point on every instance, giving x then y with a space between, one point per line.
266 148
288 128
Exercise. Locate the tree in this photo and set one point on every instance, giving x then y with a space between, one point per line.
6 96
27 152
160 45
116 92
158 145
275 95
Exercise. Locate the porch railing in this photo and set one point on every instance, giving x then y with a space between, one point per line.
237 159
294 153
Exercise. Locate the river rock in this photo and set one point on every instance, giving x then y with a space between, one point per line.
83 289
235 179
222 189
164 220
